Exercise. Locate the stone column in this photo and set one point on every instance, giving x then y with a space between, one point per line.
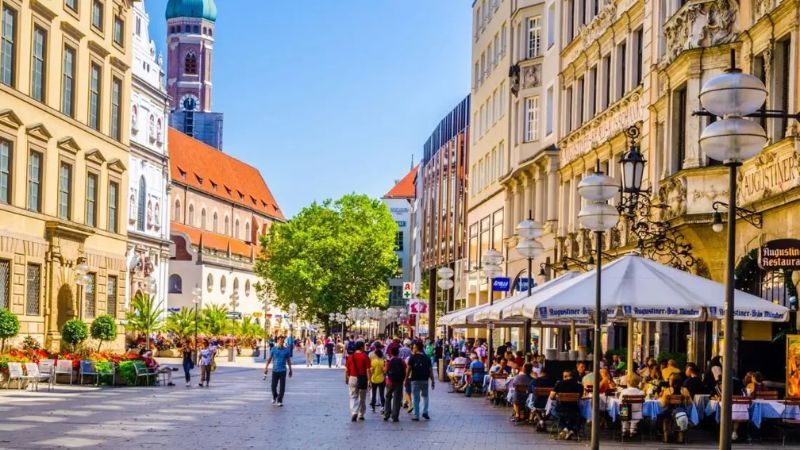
527 188
508 211
552 189
538 204
519 203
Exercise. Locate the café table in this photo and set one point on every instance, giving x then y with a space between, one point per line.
760 410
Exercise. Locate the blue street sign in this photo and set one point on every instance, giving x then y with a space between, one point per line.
521 284
501 284
173 309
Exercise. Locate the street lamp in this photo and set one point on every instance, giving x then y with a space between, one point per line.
733 139
81 279
597 216
292 313
197 298
445 283
263 296
529 230
491 270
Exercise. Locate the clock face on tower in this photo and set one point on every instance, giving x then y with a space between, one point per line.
189 102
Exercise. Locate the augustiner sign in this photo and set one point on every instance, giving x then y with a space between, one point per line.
780 254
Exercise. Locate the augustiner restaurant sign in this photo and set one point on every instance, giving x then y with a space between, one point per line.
772 174
780 254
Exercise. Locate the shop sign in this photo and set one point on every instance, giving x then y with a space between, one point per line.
780 254
501 284
770 175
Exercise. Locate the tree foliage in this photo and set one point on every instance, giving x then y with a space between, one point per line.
330 257
74 332
9 327
104 328
214 319
182 323
144 315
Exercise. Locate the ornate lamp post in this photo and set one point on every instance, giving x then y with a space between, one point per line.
597 216
529 230
263 296
445 283
491 270
197 299
733 139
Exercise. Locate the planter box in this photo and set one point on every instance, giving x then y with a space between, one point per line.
246 352
171 353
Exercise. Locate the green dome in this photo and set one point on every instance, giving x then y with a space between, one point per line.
201 9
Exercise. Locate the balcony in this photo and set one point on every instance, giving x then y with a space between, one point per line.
699 24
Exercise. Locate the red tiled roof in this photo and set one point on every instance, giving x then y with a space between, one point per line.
215 241
197 165
405 188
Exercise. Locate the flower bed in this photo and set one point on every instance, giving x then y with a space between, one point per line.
102 360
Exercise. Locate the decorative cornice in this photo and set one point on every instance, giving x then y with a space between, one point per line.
38 131
94 155
115 165
69 144
119 64
98 48
72 31
9 119
43 10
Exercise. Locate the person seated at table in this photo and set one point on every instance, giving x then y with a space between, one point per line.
568 414
474 376
693 383
618 366
674 414
540 402
754 382
635 412
645 370
713 374
654 382
153 365
523 379
606 382
670 369
537 367
580 370
456 369
519 358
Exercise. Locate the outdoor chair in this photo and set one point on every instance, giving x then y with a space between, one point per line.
740 413
766 395
790 419
571 401
87 368
538 416
15 373
630 409
63 367
48 367
143 371
476 384
35 375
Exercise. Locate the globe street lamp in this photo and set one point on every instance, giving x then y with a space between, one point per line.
197 298
491 270
263 296
445 283
234 305
529 230
597 216
733 139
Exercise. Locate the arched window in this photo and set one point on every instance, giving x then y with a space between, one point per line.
210 282
247 288
175 284
190 219
247 231
222 284
235 285
177 214
227 225
142 204
190 64
236 229
203 218
216 223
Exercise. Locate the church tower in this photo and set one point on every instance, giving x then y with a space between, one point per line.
190 47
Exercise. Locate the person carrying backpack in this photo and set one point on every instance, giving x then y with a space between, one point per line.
395 375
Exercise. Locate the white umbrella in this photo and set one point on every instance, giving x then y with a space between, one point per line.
456 318
513 307
644 289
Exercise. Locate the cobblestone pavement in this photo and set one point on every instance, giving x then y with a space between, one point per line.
235 413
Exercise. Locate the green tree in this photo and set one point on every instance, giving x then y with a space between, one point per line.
104 328
331 257
74 332
182 323
9 327
144 315
214 319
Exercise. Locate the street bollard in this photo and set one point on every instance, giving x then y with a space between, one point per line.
232 353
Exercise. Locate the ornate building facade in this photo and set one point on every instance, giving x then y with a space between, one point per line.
148 202
65 83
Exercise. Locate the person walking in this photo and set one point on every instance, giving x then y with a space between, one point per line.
283 358
339 352
356 376
329 348
377 379
320 350
310 348
207 355
188 361
418 372
395 377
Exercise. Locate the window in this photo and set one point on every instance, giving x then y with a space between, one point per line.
568 110
190 219
94 97
570 21
203 218
398 241
91 200
622 55
223 283
175 284
38 65
531 119
119 31
5 282
97 14
680 126
638 37
111 296
116 101
6 162
606 97
534 36
215 222
139 26
176 214
591 86
190 64
210 282
113 202
141 204
8 47
247 231
236 229
551 25
89 295
502 100
35 181
33 303
549 113
72 4
497 230
782 84
68 82
579 100
64 190
227 225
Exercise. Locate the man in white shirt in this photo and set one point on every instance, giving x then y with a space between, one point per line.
635 413
457 368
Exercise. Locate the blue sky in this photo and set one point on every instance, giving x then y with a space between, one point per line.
328 97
